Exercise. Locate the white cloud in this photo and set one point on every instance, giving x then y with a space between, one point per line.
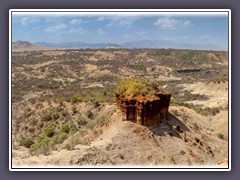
47 20
76 30
170 39
76 21
125 23
35 28
110 24
101 18
171 23
122 21
64 29
204 36
127 36
24 21
188 22
56 28
27 20
185 37
141 33
101 32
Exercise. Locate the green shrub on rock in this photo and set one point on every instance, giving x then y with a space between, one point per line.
136 86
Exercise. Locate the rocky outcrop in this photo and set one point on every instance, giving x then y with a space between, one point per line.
21 44
147 111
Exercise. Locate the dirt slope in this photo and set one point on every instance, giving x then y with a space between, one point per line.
183 140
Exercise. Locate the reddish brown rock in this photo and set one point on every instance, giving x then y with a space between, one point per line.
147 111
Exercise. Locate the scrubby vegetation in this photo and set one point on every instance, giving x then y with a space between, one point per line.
220 135
138 67
26 143
136 86
163 52
49 131
65 128
206 111
45 136
59 98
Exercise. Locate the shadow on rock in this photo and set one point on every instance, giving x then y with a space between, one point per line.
172 127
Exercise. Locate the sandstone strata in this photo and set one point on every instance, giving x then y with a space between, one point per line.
147 111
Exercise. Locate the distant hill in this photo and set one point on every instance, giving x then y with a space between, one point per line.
169 44
77 45
134 44
131 44
27 46
21 44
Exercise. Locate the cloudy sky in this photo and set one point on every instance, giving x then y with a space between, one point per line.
120 28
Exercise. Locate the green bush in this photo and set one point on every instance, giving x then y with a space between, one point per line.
100 120
55 116
64 113
45 144
27 143
189 55
81 121
46 84
203 111
91 124
175 102
41 146
163 52
74 109
96 104
59 138
136 86
138 67
65 128
220 135
89 114
49 131
72 128
74 99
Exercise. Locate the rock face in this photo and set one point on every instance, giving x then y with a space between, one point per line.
147 111
21 44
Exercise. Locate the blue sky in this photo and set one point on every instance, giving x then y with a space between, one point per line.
121 28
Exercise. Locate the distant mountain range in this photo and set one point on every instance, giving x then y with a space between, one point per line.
169 44
131 44
76 45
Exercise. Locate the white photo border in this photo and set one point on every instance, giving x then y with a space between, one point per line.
196 12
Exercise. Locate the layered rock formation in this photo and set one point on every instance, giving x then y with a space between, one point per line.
147 111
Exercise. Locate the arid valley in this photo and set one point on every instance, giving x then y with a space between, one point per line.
64 109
